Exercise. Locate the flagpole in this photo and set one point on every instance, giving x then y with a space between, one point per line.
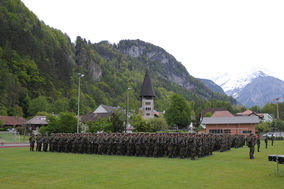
277 109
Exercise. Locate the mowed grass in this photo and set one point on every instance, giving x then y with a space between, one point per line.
21 169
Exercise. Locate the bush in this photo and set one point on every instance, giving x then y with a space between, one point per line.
139 123
66 122
263 127
101 125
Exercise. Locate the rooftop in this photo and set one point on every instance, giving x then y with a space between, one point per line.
231 120
147 88
37 120
222 114
12 120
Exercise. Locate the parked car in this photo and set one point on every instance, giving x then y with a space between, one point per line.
275 134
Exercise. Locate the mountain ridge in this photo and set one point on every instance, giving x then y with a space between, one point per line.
254 89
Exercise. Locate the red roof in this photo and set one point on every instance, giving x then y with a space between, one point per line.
249 113
212 110
222 114
12 120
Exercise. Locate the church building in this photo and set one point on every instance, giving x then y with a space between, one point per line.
147 95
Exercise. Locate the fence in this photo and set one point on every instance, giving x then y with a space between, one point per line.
12 137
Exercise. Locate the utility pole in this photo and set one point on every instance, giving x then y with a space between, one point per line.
78 114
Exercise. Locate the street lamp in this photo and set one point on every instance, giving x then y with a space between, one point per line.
78 115
127 108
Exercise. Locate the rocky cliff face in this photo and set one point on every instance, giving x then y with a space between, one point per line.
212 86
169 67
86 59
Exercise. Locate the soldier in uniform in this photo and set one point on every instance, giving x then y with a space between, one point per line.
38 143
45 143
266 141
251 141
258 142
32 142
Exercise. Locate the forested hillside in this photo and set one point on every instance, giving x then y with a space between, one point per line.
39 68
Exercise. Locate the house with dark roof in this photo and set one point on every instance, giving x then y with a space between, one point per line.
36 122
105 109
102 111
12 121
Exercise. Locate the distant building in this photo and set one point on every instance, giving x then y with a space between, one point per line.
223 113
147 95
249 113
265 117
12 121
103 111
243 125
36 122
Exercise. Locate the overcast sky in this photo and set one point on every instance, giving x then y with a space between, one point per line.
209 37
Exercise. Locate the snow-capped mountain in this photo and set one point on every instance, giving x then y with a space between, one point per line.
255 88
232 84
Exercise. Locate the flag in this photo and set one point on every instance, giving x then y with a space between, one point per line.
276 99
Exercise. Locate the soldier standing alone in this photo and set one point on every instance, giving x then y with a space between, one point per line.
258 142
251 140
266 141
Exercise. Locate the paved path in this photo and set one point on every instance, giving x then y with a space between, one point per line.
12 145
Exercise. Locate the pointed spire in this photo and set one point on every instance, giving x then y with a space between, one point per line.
147 89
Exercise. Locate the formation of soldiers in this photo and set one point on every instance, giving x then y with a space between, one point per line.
183 145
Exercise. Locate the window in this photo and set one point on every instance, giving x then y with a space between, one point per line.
147 103
227 131
246 132
216 131
148 108
147 114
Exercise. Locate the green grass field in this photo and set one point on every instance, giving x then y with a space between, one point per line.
21 169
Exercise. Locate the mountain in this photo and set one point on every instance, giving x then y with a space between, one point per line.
39 68
212 86
256 88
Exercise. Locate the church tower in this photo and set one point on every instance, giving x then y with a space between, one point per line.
147 95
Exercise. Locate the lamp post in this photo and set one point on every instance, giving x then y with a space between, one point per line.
127 107
78 114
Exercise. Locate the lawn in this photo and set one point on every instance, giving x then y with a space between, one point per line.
20 168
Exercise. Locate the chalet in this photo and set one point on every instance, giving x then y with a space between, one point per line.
12 121
103 111
265 117
36 122
249 113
